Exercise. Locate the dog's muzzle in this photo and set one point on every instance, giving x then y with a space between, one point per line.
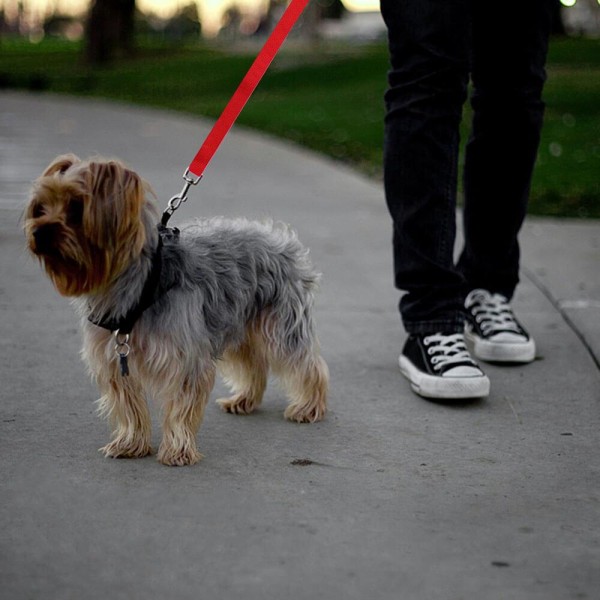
44 237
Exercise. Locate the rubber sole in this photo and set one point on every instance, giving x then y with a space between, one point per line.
444 388
501 352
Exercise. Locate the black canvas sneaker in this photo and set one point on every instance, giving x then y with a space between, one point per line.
440 366
496 334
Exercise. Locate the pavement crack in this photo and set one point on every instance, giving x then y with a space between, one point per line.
514 411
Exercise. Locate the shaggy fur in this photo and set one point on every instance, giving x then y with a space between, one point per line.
235 294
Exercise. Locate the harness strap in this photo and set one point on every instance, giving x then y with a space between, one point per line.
149 294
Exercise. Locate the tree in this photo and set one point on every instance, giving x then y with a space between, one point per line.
109 30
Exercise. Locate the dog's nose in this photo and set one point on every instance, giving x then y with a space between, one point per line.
45 238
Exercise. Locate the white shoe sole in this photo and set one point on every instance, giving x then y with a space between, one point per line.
523 352
444 388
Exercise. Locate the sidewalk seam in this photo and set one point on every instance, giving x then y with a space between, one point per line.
569 322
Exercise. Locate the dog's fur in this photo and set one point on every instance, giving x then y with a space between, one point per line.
239 297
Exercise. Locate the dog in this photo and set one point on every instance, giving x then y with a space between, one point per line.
161 309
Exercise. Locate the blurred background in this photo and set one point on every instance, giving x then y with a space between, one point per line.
174 18
324 90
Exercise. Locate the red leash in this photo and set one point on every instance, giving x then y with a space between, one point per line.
234 107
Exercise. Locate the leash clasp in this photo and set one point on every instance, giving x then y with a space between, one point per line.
176 201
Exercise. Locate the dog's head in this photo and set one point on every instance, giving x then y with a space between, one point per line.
84 224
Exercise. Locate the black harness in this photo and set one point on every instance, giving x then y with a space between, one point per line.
151 292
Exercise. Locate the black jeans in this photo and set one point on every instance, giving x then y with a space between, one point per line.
436 48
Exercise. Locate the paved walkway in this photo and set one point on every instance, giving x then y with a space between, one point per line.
404 498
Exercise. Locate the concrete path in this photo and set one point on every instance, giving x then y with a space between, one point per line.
401 498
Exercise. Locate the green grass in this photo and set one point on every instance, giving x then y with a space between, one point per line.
330 100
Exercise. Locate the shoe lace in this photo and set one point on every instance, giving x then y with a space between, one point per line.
492 312
447 350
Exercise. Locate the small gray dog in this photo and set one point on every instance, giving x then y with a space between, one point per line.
161 309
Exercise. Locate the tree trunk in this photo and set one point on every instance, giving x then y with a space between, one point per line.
109 32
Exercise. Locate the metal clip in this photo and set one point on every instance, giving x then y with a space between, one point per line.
122 350
176 201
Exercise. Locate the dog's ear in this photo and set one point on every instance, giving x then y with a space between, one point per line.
112 213
60 164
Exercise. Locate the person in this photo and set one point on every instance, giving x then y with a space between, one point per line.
437 48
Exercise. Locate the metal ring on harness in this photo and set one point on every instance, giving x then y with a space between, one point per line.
122 347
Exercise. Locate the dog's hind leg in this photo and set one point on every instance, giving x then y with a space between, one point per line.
292 350
245 370
306 380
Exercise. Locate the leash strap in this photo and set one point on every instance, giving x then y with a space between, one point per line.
193 174
246 88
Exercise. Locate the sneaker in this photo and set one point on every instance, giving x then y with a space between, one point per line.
440 366
495 333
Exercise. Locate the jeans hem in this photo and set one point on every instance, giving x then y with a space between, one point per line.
453 325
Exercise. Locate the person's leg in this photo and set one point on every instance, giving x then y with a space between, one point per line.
429 51
428 42
509 53
508 76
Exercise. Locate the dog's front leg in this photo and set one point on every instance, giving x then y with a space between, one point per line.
184 405
124 404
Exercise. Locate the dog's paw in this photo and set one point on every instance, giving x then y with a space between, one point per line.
178 457
125 448
237 405
305 414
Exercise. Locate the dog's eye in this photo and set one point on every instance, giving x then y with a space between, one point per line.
75 211
37 211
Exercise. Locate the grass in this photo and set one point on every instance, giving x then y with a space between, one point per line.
328 99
